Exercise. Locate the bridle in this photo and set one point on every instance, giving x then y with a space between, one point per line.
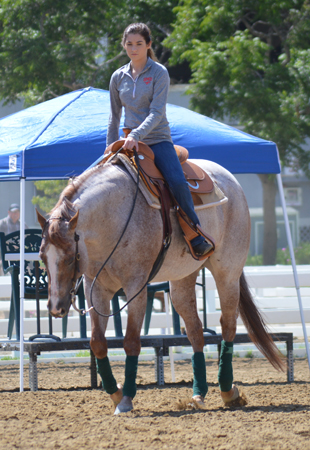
77 257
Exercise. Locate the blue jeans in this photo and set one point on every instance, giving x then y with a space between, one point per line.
168 163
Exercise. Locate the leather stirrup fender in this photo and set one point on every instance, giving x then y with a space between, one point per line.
190 231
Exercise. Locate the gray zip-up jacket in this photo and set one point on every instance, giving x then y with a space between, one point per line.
144 100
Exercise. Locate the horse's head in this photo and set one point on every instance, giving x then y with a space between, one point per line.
60 253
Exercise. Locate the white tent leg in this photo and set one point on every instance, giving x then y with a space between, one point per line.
291 248
22 285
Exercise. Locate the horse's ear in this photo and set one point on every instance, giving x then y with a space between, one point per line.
73 222
41 219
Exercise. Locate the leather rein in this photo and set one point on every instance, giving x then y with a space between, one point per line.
155 269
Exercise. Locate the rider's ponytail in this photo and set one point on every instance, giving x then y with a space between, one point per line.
151 54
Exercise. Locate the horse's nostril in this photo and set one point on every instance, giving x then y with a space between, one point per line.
57 311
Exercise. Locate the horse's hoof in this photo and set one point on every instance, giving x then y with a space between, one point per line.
117 396
196 402
199 400
234 397
125 405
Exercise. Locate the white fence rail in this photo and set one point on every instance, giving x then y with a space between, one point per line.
272 287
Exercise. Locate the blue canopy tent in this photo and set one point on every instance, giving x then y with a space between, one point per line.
62 137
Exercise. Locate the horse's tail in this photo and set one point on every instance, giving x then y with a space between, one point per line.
257 328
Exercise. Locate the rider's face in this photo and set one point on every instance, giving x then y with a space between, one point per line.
136 47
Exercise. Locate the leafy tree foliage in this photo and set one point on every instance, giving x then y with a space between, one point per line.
51 47
48 192
250 60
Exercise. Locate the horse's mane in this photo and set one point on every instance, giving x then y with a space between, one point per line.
65 208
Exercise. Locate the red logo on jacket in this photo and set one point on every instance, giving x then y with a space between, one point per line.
147 80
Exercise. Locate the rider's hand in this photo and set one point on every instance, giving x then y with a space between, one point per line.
130 143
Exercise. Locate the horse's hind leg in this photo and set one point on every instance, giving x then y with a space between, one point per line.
183 296
229 293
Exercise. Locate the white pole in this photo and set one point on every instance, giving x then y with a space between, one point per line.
22 284
169 331
291 248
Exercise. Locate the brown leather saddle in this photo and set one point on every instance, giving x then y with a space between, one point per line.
198 181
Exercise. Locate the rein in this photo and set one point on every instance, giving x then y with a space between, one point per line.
165 245
155 268
115 247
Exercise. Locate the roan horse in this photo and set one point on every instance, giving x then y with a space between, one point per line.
93 210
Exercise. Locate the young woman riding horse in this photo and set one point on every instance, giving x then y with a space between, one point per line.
141 87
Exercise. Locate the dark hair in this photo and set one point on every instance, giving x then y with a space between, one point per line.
140 28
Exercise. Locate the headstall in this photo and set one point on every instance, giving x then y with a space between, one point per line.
75 283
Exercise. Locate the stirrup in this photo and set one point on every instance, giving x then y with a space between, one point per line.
203 248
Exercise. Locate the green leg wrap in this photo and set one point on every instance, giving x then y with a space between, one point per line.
105 371
225 375
131 367
200 386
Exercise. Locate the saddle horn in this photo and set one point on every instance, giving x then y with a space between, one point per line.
126 131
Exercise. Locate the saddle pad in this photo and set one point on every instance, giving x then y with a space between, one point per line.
201 201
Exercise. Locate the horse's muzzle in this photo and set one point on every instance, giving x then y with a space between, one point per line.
58 313
57 310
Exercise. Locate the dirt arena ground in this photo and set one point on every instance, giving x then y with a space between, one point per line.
66 414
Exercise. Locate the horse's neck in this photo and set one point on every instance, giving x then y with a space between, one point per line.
102 197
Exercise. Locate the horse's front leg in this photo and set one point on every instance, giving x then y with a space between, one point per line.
132 347
98 341
183 297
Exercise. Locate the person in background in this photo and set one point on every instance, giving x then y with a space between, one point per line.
11 222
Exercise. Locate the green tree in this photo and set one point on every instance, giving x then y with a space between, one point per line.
250 59
51 47
48 192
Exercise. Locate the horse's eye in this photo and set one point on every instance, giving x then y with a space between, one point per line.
71 262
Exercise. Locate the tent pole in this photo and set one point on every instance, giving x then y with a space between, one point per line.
290 244
22 281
